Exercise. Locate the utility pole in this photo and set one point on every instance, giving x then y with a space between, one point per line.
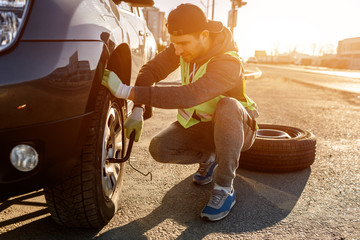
206 6
213 9
232 17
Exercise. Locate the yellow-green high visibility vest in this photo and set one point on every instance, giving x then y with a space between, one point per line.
204 112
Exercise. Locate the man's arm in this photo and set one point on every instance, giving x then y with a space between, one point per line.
223 74
158 68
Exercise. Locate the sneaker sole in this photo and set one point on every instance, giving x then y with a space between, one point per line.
217 217
202 182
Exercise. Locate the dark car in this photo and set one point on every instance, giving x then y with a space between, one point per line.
58 124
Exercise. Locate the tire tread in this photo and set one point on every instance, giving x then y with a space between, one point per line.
280 155
73 202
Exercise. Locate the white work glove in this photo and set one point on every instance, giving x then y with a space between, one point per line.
134 123
112 82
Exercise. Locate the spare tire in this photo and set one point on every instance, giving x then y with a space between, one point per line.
279 149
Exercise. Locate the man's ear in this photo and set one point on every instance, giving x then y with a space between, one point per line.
204 35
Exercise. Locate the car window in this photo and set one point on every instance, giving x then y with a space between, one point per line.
138 12
135 11
141 13
125 6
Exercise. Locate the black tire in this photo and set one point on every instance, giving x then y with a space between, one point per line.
279 149
89 197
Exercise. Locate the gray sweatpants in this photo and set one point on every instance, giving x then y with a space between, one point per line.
228 134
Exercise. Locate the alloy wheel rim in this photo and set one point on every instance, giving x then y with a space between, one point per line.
112 146
272 133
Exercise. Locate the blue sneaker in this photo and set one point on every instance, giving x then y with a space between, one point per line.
204 174
219 205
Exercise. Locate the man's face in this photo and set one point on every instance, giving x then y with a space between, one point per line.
189 46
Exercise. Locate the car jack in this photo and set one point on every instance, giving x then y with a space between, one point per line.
127 157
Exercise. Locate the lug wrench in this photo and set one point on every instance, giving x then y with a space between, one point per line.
127 157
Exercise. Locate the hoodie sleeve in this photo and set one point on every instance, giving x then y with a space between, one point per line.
223 74
158 68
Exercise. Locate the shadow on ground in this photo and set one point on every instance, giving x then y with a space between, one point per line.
22 200
262 201
43 228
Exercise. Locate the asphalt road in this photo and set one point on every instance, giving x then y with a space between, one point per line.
340 80
320 202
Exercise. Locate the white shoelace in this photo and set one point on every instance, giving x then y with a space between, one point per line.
218 197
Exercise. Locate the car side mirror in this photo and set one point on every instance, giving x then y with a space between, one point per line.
137 3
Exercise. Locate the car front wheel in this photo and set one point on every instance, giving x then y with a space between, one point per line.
89 197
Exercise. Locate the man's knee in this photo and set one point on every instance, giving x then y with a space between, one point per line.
228 106
155 149
227 101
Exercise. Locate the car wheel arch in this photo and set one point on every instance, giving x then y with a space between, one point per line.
120 62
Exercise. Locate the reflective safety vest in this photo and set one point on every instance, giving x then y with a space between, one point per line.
204 112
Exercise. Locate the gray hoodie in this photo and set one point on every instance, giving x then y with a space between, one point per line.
223 77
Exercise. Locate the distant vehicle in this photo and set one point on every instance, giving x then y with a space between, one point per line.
252 60
58 124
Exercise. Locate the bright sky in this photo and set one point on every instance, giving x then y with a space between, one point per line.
310 26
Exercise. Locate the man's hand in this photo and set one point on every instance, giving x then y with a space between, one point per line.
134 123
112 82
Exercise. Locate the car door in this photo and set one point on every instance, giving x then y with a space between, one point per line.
150 46
112 18
136 35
